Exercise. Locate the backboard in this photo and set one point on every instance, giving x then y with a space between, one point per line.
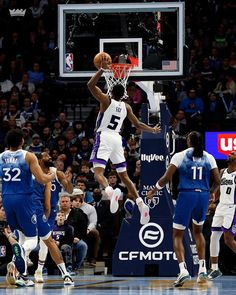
148 35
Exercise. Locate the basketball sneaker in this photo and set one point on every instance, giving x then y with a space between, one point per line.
202 278
214 274
114 205
144 213
68 280
38 276
11 273
24 281
181 279
19 257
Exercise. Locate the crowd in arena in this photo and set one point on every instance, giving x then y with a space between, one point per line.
205 100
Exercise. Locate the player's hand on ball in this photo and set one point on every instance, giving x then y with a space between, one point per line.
105 62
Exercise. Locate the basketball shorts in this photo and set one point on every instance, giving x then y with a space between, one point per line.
191 205
44 228
224 218
108 145
20 213
52 217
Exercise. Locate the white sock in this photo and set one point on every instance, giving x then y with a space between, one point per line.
109 191
202 266
183 267
62 268
214 266
139 201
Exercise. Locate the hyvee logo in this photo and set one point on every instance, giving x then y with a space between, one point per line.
151 235
226 143
152 157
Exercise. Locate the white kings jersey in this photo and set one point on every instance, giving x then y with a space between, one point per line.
112 119
227 187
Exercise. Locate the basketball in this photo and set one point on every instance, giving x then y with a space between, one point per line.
98 59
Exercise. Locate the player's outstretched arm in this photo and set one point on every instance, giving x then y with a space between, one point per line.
138 124
94 89
36 169
163 180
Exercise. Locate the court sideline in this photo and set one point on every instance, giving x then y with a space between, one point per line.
100 285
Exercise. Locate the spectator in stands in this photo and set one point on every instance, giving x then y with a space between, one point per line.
3 106
25 86
47 139
35 75
28 111
61 145
88 196
14 114
63 120
92 238
56 128
79 220
79 129
40 124
85 149
63 235
36 146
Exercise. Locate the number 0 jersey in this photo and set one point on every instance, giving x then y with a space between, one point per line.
15 173
112 119
194 172
227 187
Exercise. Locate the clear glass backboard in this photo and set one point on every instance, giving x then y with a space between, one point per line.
148 35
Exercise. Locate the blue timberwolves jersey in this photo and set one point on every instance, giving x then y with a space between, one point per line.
194 173
15 173
55 190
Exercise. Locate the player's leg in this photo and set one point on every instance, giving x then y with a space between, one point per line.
44 232
143 208
216 233
198 218
181 220
99 157
43 251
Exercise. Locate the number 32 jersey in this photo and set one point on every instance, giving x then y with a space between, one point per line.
194 173
112 119
15 173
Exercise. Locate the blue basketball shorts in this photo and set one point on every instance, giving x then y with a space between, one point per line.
20 213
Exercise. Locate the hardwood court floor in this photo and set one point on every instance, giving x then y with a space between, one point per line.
102 285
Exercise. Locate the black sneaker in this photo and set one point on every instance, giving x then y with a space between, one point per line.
214 274
19 254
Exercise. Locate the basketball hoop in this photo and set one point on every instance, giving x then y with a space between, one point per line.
117 74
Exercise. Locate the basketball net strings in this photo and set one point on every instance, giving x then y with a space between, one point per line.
117 75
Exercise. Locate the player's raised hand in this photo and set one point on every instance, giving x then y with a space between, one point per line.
105 62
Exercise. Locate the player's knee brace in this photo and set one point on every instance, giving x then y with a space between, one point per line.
215 243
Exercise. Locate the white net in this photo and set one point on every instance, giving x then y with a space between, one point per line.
117 74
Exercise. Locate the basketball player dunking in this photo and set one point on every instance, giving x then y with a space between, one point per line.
108 141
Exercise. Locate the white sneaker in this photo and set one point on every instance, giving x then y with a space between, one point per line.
11 273
202 278
181 279
144 213
38 276
114 205
24 281
68 280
